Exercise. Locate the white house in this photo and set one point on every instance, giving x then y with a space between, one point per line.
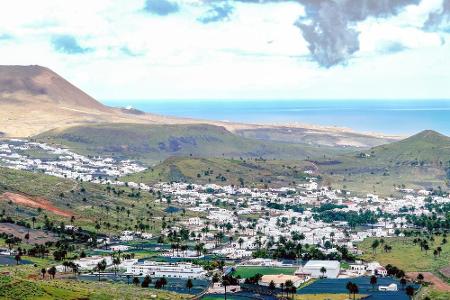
358 267
119 248
89 263
388 288
376 269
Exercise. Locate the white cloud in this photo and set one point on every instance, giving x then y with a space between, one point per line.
256 53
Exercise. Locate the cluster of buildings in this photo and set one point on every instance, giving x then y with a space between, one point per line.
61 162
230 209
248 219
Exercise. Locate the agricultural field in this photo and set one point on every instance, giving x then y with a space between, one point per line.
407 256
247 272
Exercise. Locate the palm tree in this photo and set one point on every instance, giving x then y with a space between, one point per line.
75 268
17 258
272 285
288 285
420 277
323 270
352 289
43 271
225 283
163 281
355 290
52 271
403 283
146 282
116 262
373 281
240 242
189 284
136 281
348 286
410 291
199 248
374 246
33 220
101 266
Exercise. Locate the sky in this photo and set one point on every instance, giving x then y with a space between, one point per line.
235 49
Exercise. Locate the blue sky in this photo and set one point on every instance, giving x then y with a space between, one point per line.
241 49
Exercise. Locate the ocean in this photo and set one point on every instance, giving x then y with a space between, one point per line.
382 116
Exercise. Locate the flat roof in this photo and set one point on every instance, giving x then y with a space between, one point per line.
332 264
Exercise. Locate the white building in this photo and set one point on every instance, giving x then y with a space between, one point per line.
89 263
121 248
313 268
374 268
388 288
358 268
169 270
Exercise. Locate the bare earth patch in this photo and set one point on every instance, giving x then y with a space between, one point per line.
445 271
36 236
430 277
34 202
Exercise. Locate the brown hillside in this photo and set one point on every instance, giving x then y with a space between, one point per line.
39 85
34 99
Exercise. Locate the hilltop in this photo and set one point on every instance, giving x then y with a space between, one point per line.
36 85
34 99
426 147
223 171
421 161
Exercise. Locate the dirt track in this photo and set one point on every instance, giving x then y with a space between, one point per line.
34 202
430 277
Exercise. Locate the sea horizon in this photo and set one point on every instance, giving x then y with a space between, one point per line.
393 117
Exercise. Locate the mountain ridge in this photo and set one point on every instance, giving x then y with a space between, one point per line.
35 99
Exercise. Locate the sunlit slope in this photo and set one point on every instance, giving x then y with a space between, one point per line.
420 161
154 143
238 172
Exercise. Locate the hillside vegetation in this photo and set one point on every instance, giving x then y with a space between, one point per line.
247 172
426 148
112 208
154 143
420 161
408 256
19 288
